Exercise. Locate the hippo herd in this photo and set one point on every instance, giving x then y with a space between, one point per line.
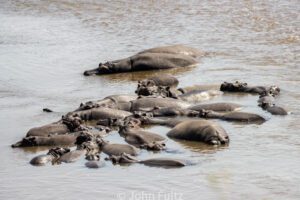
157 101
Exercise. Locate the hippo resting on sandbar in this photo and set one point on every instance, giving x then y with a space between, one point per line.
152 59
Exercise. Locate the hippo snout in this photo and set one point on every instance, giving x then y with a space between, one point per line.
91 72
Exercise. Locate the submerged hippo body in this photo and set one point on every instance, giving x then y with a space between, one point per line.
218 107
164 162
143 62
153 162
200 130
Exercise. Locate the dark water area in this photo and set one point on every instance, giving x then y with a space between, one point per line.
46 45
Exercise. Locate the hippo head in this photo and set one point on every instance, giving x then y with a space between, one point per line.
84 136
146 88
216 136
233 87
57 152
155 146
73 121
123 158
274 90
26 142
104 68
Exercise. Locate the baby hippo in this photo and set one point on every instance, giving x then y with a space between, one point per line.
51 156
200 130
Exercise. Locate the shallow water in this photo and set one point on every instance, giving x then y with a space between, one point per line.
45 47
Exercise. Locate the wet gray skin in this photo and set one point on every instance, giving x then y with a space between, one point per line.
152 59
94 164
200 130
233 116
51 156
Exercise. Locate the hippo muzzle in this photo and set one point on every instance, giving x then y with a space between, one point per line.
105 68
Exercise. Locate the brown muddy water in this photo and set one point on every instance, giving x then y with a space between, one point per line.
46 45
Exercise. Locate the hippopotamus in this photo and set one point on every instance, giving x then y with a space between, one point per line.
152 59
243 87
51 140
218 107
153 162
100 113
65 125
141 138
51 156
110 101
89 148
266 102
144 104
233 116
200 130
117 149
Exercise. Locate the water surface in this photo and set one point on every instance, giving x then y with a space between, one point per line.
46 45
